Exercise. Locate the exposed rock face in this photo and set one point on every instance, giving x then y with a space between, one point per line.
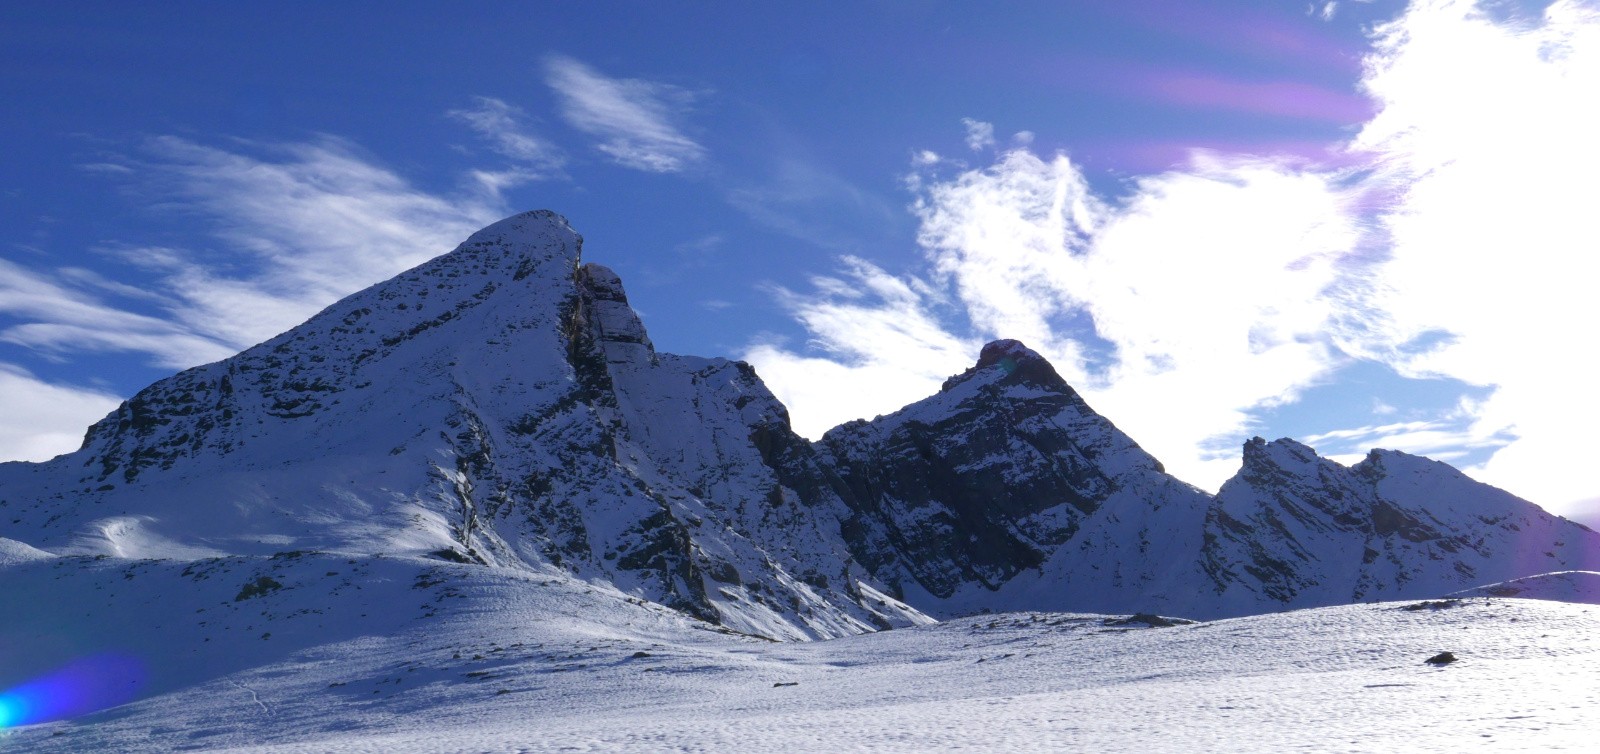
502 404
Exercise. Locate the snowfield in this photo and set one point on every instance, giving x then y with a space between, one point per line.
364 654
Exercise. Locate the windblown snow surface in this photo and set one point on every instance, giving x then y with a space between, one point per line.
316 652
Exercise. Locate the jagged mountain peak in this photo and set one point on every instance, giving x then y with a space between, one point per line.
522 236
1280 457
509 283
1007 353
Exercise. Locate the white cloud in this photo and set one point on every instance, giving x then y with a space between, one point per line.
1213 282
633 118
980 135
306 223
502 125
44 420
57 318
1487 135
1444 439
876 344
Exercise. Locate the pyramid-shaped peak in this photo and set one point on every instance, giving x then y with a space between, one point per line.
537 242
524 227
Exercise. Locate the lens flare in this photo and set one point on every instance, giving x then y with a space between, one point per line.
85 685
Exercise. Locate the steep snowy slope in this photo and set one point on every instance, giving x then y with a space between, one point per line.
500 404
1303 530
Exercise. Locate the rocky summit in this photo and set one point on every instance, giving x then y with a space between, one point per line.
503 406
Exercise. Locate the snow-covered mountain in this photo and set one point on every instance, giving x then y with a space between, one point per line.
1006 491
502 405
1300 529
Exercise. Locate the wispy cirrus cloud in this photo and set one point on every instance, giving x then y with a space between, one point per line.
980 134
57 313
504 126
876 338
634 119
298 226
301 224
1446 439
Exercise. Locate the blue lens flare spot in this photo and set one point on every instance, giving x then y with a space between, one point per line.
82 686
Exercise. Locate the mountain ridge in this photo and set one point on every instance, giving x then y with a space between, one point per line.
503 404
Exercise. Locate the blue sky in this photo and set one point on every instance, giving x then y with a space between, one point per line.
1357 223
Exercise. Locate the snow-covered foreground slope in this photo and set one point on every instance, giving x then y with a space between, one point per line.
394 654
